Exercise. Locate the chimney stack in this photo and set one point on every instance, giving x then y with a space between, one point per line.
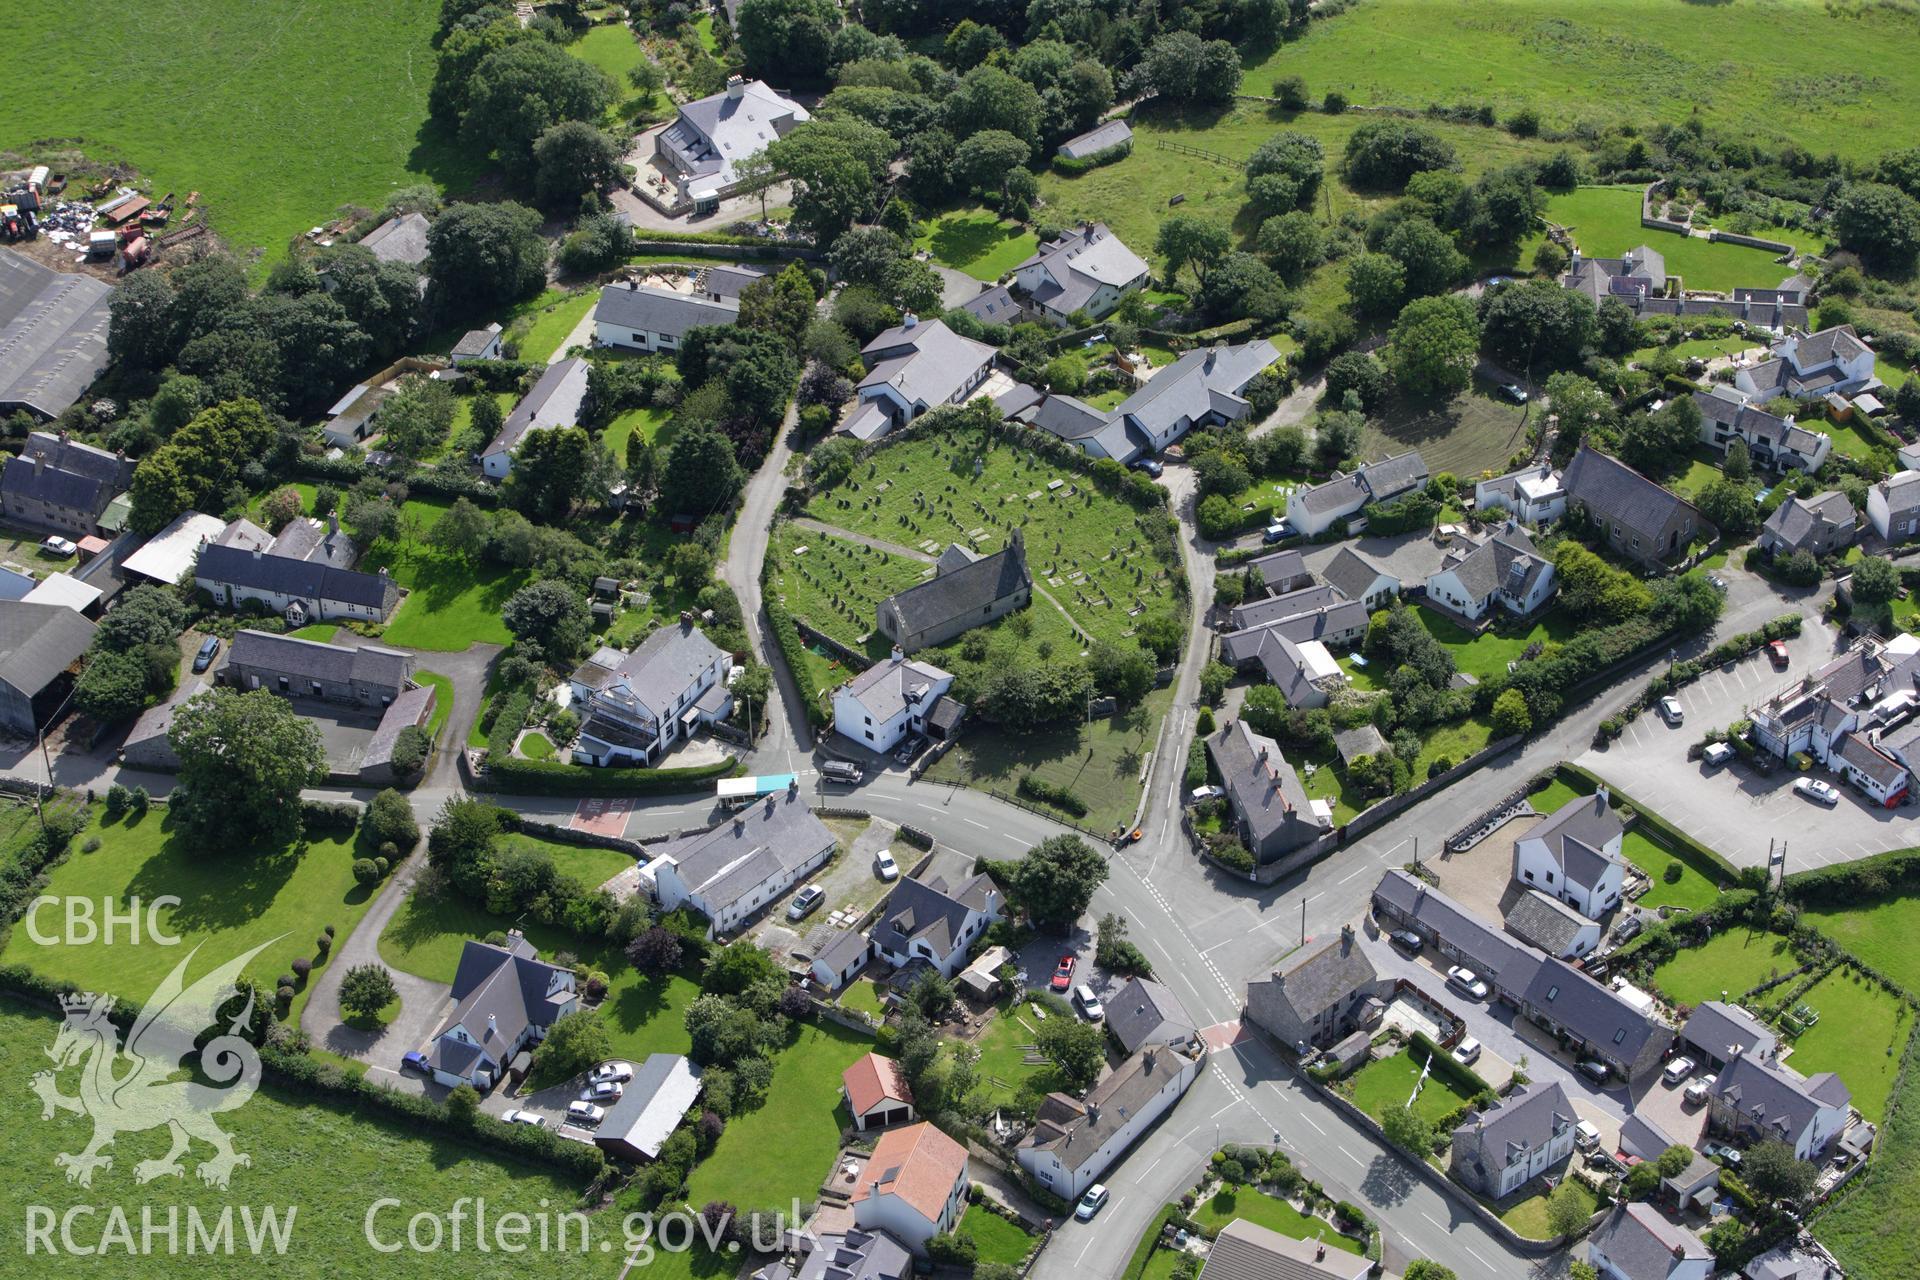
493 1026
736 87
909 320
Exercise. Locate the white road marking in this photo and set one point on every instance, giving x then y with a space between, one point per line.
1476 1253
1216 1115
1356 1159
1316 1128
1359 871
1430 1218
970 822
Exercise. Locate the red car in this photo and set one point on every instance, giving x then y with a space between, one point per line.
1063 976
1777 650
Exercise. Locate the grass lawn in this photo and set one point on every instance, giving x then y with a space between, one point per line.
834 584
275 115
1848 438
646 422
612 48
771 1157
535 746
1093 554
1099 762
1475 431
1271 1212
230 904
978 242
1863 1030
1486 655
1529 1216
1699 348
1871 1229
1701 471
1558 794
1453 742
1650 851
1327 783
541 333
1739 68
1881 931
290 1138
442 699
1387 1082
452 603
1007 1078
996 1239
1731 963
324 632
1606 223
865 996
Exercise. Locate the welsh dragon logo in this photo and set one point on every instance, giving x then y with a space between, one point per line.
149 1095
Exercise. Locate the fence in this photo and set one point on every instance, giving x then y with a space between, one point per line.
1201 152
853 659
705 249
1752 242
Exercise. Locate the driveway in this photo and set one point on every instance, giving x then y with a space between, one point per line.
1734 810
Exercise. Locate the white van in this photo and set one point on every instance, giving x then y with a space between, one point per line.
1717 754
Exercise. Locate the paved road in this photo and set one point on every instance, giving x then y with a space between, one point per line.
422 1002
780 748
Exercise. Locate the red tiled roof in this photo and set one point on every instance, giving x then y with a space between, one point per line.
873 1080
919 1164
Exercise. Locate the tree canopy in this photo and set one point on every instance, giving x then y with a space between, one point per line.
244 759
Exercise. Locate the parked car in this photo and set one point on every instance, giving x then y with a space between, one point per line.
1717 582
1722 1152
1627 928
416 1062
1514 392
1595 1070
55 545
1467 1052
1278 531
1063 974
1717 754
1091 1202
1817 789
525 1117
806 902
909 748
1671 711
203 659
619 1071
1208 792
1585 1136
884 866
1677 1070
1777 652
1089 1003
1149 465
1467 982
843 771
603 1091
1405 939
585 1113
1696 1094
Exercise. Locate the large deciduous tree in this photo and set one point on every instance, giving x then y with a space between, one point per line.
519 92
1054 883
244 759
482 255
1433 346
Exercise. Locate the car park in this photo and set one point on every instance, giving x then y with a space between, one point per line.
884 866
525 1117
55 545
1677 1070
806 902
1063 974
585 1113
1817 790
1467 1052
1696 1094
1467 982
1671 711
1089 1003
603 1091
1717 754
203 658
1092 1202
1595 1070
619 1071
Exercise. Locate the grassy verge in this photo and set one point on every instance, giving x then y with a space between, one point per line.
1271 1212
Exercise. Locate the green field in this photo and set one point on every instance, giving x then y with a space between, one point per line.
647 423
1098 761
1742 68
452 603
1090 552
1696 888
1880 931
1387 1082
834 584
1861 1034
323 1163
275 114
996 1239
1606 223
1476 431
1275 1214
1869 1226
1731 963
442 698
978 242
782 1152
228 905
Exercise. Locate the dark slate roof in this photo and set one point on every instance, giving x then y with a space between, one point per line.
1323 972
38 642
507 984
1362 741
1078 1132
554 402
962 591
1391 477
1862 755
1351 573
1292 604
1796 520
993 306
1145 1012
1901 491
658 670
1490 565
855 1255
730 280
1100 138
931 911
1207 381
1280 568
409 708
1546 923
308 579
1490 953
474 341
402 239
69 473
1722 1030
1614 489
766 838
631 306
886 687
1576 836
1638 1240
1592 1011
53 335
1248 1251
1333 619
662 1091
1529 1119
1264 789
316 660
